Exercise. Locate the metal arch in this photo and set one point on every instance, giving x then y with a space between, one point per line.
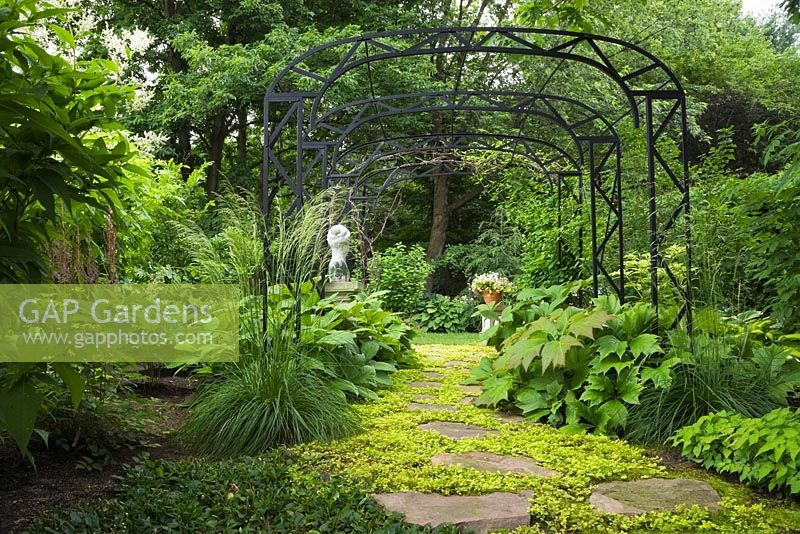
430 102
363 177
458 141
515 43
562 182
608 195
487 96
399 173
664 107
365 120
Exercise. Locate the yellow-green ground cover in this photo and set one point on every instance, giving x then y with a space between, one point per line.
393 455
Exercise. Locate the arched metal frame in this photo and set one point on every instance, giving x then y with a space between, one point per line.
581 128
568 184
644 82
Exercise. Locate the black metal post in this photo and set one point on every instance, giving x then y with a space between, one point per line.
651 205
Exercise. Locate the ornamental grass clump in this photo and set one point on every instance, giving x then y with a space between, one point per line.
277 393
713 377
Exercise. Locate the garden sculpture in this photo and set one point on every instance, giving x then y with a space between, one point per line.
339 241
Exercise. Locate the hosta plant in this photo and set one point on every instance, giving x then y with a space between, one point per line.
763 452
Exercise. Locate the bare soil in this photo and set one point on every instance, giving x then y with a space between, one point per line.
26 492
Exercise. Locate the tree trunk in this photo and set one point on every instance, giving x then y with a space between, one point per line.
440 217
184 151
241 135
218 134
182 130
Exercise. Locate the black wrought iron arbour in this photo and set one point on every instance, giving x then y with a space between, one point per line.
307 142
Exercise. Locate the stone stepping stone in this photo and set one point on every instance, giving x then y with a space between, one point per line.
457 363
458 430
424 384
494 463
479 514
422 397
651 495
510 418
473 391
432 374
468 400
432 407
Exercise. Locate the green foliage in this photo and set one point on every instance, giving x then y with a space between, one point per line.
59 145
59 136
266 494
278 392
582 368
570 15
637 276
713 375
401 274
439 313
764 452
525 308
359 343
150 244
109 419
772 213
497 248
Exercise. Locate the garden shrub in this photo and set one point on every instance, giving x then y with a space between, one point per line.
265 494
523 310
583 368
62 155
401 274
769 212
764 451
601 367
712 375
440 313
498 247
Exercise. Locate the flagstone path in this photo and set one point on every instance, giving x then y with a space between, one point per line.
444 460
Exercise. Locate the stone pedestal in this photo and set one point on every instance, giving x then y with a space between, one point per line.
486 324
343 291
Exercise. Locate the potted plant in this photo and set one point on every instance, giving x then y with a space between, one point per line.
491 286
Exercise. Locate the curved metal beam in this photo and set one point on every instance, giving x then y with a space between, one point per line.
515 41
458 143
462 101
366 120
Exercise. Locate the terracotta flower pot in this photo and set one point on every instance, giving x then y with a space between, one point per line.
489 297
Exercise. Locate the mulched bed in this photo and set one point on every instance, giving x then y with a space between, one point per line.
25 492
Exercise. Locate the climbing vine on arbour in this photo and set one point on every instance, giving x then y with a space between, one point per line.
582 368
